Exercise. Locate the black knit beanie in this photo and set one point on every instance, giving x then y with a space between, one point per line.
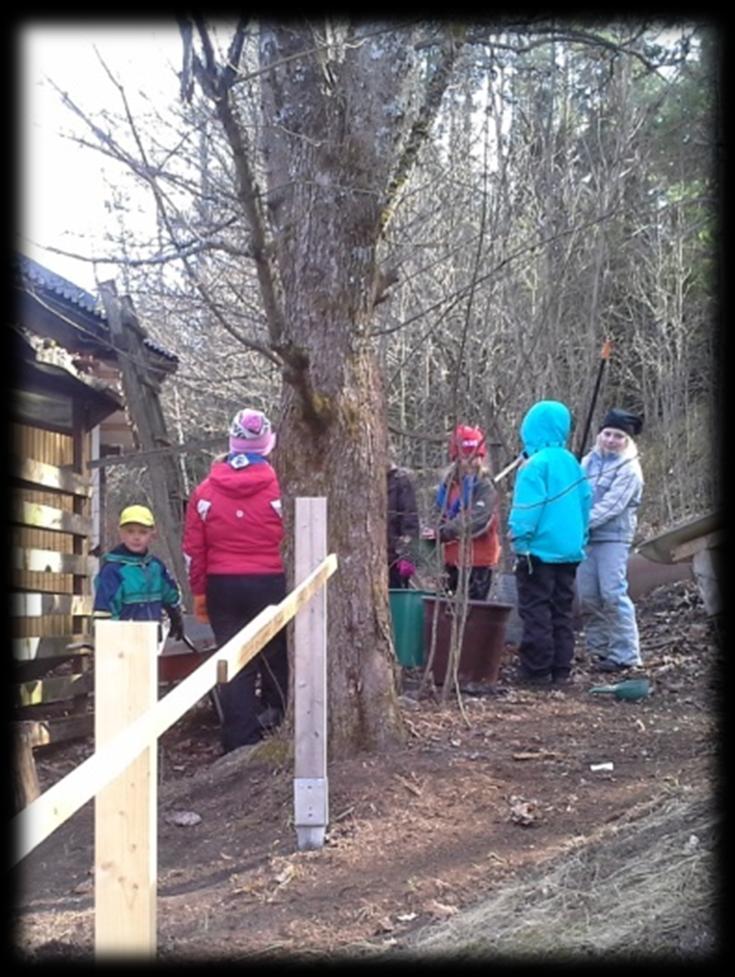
622 420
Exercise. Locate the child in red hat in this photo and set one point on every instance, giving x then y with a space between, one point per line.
466 510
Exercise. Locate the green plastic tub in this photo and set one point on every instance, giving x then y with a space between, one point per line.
407 612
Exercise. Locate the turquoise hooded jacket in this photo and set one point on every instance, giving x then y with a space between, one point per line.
552 498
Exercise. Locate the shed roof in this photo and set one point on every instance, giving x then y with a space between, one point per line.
76 300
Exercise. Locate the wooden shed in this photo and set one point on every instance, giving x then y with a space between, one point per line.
67 410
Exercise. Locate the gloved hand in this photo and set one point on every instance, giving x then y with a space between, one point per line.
177 621
406 569
200 608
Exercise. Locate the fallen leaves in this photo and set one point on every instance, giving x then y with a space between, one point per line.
412 786
285 875
524 813
441 910
411 728
260 894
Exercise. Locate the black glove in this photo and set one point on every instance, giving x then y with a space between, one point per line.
177 621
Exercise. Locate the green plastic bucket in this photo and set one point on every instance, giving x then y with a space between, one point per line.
407 612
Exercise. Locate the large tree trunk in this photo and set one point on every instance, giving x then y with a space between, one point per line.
342 457
342 127
324 200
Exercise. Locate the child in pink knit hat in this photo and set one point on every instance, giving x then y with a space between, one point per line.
232 540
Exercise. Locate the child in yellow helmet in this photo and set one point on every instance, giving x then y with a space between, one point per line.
132 584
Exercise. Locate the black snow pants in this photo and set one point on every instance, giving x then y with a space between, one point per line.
233 601
545 599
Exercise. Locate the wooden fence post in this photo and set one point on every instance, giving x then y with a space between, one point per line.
25 780
126 685
311 791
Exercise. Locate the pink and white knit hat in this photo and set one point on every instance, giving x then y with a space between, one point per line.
251 432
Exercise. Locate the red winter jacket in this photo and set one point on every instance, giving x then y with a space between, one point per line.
233 524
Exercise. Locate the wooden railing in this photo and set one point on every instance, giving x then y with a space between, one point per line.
122 771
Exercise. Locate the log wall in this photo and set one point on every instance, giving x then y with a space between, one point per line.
51 579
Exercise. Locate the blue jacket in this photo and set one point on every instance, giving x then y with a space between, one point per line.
133 587
551 498
617 485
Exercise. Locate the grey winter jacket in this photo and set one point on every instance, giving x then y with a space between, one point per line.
617 486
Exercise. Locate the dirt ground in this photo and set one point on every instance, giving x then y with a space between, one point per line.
470 806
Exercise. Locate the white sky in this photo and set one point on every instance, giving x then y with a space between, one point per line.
62 193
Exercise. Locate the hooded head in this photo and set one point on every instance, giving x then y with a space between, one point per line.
467 442
622 420
547 424
251 433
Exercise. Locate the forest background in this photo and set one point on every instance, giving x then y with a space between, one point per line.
565 194
374 230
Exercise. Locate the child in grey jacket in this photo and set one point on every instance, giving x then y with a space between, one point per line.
616 479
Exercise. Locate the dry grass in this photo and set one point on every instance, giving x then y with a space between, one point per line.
645 888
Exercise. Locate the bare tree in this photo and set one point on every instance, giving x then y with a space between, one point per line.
422 223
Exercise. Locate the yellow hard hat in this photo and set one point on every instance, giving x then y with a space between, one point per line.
137 513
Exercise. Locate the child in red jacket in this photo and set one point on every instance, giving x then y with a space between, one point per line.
232 543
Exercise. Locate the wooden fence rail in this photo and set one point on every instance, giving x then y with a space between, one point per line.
44 815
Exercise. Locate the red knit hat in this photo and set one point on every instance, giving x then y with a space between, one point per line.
469 442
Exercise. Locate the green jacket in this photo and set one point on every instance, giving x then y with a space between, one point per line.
133 587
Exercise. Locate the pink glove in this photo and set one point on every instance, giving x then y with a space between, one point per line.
406 569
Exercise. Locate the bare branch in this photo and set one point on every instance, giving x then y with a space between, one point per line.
420 130
247 188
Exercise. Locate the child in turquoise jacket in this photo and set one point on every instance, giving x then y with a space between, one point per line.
548 530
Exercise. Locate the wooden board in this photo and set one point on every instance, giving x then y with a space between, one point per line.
45 732
24 776
51 476
125 816
57 689
50 561
39 605
35 648
46 517
311 789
